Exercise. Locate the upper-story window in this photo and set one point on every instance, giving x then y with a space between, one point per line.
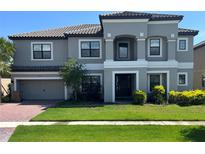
123 50
42 51
90 49
182 44
154 47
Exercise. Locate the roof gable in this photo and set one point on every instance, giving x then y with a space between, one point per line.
140 15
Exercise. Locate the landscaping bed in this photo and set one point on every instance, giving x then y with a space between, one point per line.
73 112
108 133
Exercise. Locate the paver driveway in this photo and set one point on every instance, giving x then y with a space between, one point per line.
13 112
22 111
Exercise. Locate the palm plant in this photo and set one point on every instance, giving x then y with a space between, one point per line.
6 53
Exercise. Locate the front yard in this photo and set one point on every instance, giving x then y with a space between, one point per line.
108 133
66 112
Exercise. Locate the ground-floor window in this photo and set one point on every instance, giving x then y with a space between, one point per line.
203 81
154 80
182 79
91 88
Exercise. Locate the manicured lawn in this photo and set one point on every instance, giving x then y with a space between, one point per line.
123 112
108 133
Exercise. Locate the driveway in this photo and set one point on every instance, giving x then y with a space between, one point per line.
19 112
22 111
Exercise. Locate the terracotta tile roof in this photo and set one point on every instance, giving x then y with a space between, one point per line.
87 29
140 15
183 31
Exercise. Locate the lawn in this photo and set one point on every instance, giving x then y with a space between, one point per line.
108 133
122 112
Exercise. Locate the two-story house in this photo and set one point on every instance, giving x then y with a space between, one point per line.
126 51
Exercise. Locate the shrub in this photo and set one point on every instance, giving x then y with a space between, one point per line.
158 94
185 98
140 97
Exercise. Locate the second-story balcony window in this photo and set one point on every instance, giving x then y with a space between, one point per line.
41 51
123 50
154 47
89 49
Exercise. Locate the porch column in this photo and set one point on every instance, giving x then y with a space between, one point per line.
108 86
65 92
141 51
109 49
171 49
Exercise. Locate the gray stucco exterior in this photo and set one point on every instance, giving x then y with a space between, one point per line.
137 33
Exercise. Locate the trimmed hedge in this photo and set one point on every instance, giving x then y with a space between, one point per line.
140 97
186 98
158 94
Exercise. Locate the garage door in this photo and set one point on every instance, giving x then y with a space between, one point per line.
42 89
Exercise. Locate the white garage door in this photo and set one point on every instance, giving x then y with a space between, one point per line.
42 89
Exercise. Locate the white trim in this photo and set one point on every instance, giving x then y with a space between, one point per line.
35 73
186 78
168 77
182 38
140 39
171 40
147 64
123 72
39 78
164 22
109 40
160 45
94 66
79 48
36 42
123 20
187 65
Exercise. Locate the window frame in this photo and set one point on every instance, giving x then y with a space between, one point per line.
178 40
89 40
186 78
160 46
118 51
160 78
41 43
94 74
202 85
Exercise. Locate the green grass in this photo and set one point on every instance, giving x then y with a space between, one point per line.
123 112
108 133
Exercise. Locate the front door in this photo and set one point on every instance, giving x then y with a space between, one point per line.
123 86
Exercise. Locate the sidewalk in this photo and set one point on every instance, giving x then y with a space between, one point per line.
15 124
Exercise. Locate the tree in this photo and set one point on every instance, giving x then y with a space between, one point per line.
72 73
6 52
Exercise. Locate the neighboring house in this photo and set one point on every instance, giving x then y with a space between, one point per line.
126 51
199 66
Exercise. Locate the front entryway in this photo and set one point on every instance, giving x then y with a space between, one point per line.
124 85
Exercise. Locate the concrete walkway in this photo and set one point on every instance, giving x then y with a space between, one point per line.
15 124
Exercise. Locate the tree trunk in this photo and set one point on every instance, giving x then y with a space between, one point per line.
0 89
